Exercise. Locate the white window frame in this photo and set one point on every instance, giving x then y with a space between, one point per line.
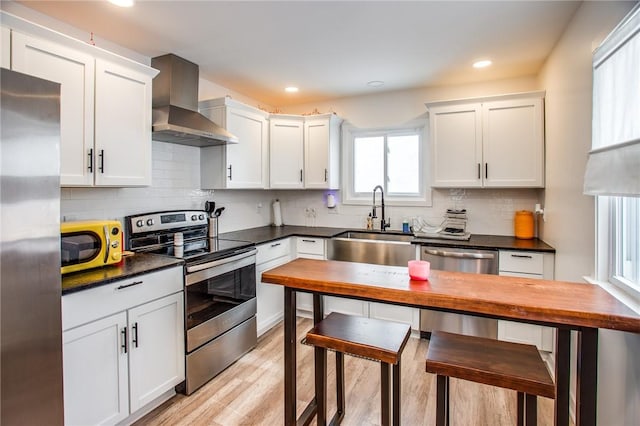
606 254
350 132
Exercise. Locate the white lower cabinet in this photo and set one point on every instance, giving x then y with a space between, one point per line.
309 248
96 372
527 265
270 297
123 346
403 314
156 356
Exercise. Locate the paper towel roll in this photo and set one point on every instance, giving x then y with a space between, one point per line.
277 213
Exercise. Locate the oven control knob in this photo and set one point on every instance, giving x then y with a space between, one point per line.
139 223
194 217
150 222
201 216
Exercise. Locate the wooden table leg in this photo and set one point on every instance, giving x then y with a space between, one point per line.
563 367
587 377
289 357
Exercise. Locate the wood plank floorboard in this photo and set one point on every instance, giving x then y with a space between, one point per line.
251 392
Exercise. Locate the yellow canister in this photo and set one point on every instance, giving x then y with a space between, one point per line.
523 224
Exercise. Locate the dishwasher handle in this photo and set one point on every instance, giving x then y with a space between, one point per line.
462 255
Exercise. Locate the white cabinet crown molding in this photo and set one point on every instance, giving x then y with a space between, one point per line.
30 28
482 99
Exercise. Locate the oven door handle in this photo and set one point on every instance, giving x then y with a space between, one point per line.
208 265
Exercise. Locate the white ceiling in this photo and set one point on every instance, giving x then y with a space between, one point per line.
330 48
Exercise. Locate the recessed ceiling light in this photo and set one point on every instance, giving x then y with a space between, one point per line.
291 89
375 83
482 64
122 3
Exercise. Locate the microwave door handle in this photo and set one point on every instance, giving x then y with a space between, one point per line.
108 243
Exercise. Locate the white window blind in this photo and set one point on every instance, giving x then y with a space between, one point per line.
614 162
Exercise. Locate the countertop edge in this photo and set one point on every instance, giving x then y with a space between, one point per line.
132 266
267 234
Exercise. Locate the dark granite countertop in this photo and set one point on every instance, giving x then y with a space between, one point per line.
500 242
142 263
137 264
265 234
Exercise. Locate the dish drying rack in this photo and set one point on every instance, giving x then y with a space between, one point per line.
453 227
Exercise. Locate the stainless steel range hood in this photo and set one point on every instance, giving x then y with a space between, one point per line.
175 106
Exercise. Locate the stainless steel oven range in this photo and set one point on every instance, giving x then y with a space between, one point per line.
220 288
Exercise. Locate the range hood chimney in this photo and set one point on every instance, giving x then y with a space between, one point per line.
175 106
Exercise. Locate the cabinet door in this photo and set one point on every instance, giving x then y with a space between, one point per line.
403 314
75 72
456 137
157 348
316 155
247 160
270 297
122 126
96 372
513 143
286 153
304 301
5 47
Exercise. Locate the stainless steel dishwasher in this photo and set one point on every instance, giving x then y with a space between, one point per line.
460 260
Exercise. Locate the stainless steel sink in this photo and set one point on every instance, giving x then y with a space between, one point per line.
380 248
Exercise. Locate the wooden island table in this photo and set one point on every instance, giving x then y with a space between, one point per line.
566 306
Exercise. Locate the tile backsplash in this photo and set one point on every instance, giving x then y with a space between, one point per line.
176 183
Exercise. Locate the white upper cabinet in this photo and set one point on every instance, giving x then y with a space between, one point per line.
456 135
5 47
322 151
122 126
286 152
243 165
74 70
105 109
490 142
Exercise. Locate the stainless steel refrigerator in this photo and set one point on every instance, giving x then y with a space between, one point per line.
30 312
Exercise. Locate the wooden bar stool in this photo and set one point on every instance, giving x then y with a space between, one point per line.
492 362
369 338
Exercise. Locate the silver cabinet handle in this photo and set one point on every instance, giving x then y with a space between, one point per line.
309 241
522 256
463 255
275 245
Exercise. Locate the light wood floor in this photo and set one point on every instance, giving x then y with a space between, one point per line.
251 392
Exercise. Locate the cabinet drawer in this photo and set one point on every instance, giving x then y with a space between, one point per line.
522 261
88 305
310 245
273 250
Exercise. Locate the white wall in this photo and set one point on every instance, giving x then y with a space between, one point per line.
570 226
